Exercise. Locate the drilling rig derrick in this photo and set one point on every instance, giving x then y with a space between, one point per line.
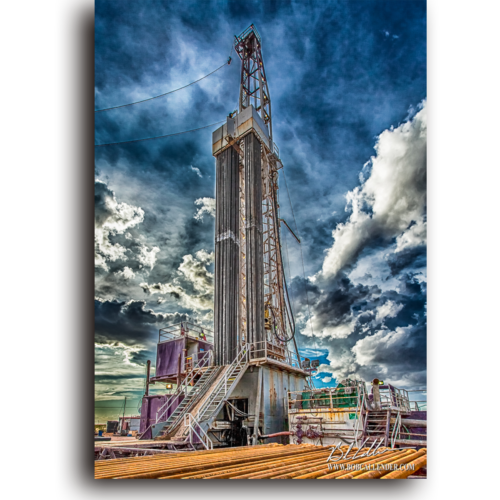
261 313
253 82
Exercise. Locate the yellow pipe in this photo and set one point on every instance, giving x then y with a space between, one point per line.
221 470
379 473
324 470
198 465
255 467
271 461
403 474
160 465
335 474
189 457
237 470
298 470
283 465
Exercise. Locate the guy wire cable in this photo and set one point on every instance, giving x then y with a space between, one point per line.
166 93
301 254
159 136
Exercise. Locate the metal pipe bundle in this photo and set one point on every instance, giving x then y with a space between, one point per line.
265 462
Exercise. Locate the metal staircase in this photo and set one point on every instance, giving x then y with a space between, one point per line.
194 428
204 362
383 424
193 396
213 404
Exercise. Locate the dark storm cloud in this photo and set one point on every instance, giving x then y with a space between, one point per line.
338 303
324 126
130 323
415 257
101 209
337 80
301 288
387 331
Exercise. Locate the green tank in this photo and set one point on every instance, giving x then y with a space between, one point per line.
343 400
340 399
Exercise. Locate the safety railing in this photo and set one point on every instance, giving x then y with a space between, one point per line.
203 361
225 383
278 351
392 397
360 412
418 405
246 32
338 399
199 360
185 328
195 430
395 429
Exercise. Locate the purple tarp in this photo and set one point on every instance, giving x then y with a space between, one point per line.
167 357
204 345
151 404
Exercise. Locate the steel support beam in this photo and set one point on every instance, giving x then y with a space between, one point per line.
258 400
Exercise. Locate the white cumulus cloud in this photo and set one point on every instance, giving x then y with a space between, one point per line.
193 271
207 206
126 273
197 170
391 202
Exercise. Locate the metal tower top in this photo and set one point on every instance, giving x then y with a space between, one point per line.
253 81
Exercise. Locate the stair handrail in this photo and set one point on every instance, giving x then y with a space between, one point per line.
165 407
396 428
208 381
237 363
192 424
182 387
360 408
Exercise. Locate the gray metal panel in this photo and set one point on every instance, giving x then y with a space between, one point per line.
231 127
273 401
260 122
226 256
217 134
135 424
273 411
244 115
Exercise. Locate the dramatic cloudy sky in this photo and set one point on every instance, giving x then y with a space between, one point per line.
348 88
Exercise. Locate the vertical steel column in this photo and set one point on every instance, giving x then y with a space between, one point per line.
258 400
148 372
227 225
254 244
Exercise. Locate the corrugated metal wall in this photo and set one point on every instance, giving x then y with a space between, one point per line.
226 256
254 243
275 385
